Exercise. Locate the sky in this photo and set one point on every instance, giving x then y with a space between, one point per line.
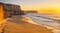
39 5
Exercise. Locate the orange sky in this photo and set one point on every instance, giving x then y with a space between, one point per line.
52 6
39 5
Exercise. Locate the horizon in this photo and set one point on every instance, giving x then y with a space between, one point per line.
38 5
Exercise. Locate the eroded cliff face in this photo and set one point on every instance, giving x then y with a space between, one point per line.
1 12
8 10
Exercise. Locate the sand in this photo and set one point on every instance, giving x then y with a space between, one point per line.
17 25
24 27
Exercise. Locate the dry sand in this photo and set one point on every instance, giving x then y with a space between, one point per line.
24 27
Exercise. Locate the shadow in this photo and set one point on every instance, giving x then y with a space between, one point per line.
16 19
